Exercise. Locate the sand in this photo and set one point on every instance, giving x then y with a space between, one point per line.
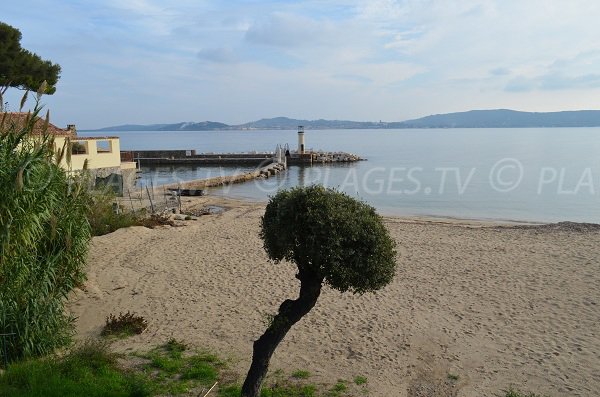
496 306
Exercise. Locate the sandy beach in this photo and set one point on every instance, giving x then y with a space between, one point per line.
494 305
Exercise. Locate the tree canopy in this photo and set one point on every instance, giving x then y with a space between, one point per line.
331 235
22 69
333 239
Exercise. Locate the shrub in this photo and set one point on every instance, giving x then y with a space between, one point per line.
124 325
44 238
102 217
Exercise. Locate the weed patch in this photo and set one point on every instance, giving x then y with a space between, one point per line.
124 325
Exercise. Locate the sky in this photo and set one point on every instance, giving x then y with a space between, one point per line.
153 61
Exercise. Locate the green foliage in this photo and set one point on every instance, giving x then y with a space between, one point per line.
21 68
301 374
340 387
174 347
89 370
124 325
288 390
516 393
200 370
44 236
360 380
104 220
230 391
172 372
102 217
280 390
331 235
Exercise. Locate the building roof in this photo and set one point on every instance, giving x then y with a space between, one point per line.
19 119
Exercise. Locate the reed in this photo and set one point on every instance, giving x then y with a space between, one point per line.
44 236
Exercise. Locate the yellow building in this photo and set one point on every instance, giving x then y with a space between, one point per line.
102 154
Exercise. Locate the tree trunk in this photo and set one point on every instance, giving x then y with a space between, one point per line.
290 312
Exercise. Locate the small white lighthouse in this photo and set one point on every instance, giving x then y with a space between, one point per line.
300 139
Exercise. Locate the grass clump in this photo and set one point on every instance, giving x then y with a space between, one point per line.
360 380
175 370
338 388
511 392
89 370
230 391
288 390
175 347
124 325
301 374
278 384
200 370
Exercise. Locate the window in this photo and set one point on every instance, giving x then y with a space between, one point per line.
79 147
104 146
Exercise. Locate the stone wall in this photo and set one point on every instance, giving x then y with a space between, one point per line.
118 179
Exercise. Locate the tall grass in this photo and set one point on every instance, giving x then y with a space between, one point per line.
102 217
44 236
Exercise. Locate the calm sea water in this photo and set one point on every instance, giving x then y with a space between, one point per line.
549 174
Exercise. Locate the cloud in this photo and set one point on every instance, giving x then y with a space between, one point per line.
554 82
353 78
575 73
500 71
286 30
377 59
218 55
520 84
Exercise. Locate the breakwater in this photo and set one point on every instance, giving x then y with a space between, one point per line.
259 159
200 184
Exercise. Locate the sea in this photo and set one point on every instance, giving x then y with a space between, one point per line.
512 174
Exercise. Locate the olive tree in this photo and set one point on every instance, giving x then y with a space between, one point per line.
334 240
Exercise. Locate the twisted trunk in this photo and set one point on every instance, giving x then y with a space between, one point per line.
290 312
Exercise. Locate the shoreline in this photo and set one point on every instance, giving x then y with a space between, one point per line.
213 195
424 218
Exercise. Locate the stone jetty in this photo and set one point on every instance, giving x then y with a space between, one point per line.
199 184
334 157
258 159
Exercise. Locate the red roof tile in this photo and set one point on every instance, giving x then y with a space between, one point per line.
19 119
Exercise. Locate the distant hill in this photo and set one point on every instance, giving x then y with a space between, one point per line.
504 118
132 127
284 123
497 118
185 126
191 126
